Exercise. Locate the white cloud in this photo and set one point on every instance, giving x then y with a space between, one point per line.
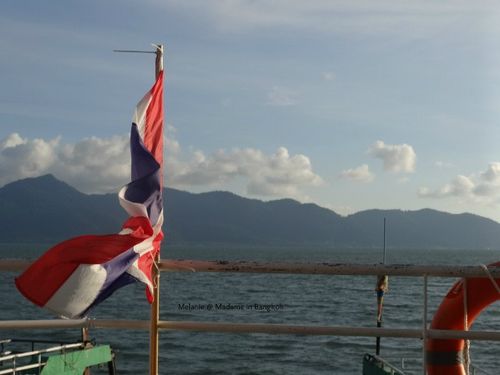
482 187
487 187
282 97
396 158
94 164
91 165
461 186
277 175
360 174
21 158
11 141
103 164
492 174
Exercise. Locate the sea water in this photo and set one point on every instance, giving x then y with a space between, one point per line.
267 298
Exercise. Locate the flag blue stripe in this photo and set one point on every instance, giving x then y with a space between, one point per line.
145 187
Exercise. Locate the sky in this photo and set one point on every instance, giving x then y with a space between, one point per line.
352 105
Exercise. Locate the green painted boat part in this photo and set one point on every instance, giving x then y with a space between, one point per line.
75 362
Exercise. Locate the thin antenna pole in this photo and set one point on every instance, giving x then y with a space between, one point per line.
155 306
381 289
383 259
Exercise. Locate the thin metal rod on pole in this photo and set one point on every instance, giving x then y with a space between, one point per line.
132 51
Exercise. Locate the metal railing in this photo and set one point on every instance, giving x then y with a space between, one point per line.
382 364
411 364
15 358
423 271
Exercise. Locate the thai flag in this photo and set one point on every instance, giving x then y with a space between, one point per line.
75 275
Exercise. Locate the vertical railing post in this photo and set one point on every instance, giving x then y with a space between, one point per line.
155 317
85 340
424 328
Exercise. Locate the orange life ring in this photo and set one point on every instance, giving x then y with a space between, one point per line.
444 356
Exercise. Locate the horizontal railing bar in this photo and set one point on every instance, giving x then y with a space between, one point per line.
286 329
13 265
22 368
326 330
41 351
469 335
172 265
253 328
42 324
326 268
120 324
38 341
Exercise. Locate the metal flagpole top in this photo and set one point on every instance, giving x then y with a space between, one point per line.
159 58
158 52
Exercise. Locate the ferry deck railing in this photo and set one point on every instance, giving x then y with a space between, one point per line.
423 271
39 363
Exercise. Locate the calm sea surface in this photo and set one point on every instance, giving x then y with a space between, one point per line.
311 300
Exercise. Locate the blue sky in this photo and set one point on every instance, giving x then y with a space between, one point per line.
349 104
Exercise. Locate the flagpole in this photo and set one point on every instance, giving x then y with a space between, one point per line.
155 306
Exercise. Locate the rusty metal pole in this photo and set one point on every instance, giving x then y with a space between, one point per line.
155 306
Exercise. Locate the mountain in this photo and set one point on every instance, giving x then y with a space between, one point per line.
221 217
44 209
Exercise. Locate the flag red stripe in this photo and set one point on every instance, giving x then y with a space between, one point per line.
46 275
153 131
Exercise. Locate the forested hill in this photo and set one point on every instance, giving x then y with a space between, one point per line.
44 209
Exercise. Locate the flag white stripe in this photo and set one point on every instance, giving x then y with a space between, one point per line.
139 117
79 291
